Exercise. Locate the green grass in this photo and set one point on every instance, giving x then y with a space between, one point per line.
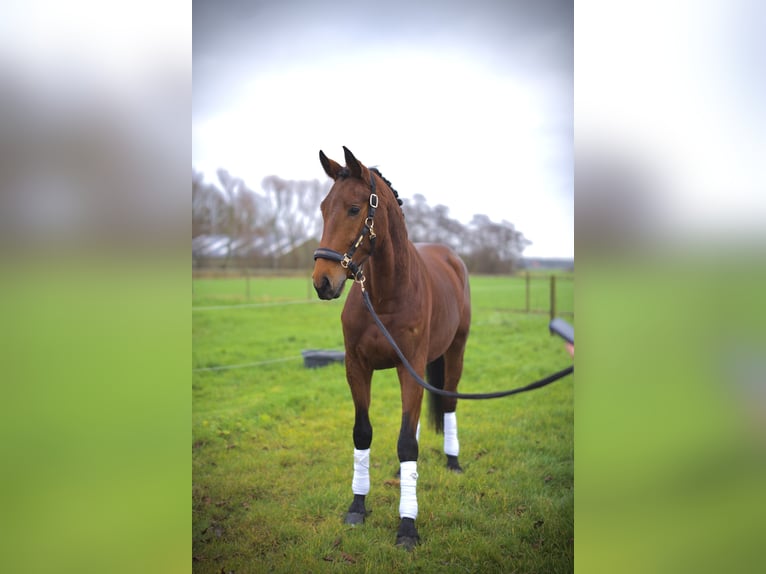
272 446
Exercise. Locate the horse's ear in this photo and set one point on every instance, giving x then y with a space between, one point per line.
331 168
353 164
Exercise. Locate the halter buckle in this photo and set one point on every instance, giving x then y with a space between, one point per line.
374 200
345 261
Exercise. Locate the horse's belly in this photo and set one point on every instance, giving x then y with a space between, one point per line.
442 332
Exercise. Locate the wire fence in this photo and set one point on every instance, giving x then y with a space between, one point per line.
532 292
554 304
529 293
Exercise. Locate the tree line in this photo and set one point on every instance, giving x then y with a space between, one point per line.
279 226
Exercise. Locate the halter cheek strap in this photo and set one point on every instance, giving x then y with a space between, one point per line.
345 259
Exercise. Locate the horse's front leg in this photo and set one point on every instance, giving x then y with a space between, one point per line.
407 448
359 380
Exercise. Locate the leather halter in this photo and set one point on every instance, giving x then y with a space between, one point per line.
345 259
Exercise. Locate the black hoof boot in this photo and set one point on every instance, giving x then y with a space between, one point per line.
407 536
453 464
356 512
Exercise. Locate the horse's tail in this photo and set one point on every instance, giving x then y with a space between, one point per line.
435 375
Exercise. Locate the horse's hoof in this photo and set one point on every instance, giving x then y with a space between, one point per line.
407 542
407 536
354 518
454 465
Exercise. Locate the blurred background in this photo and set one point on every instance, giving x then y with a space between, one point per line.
670 245
95 100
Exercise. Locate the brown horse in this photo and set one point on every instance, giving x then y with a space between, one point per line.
421 294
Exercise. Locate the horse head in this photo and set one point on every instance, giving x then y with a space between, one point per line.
348 236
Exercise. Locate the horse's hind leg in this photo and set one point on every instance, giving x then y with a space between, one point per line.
359 382
453 369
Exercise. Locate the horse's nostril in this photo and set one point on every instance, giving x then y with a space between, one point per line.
323 288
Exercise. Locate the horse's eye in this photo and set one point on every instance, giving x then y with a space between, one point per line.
353 210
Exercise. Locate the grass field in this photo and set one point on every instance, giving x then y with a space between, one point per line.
272 446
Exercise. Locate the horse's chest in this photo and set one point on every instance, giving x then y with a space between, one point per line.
371 344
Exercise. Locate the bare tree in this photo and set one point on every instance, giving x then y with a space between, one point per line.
285 218
486 246
296 204
494 247
208 205
432 224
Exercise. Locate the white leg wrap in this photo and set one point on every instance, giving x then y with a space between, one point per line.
408 503
361 482
451 444
417 432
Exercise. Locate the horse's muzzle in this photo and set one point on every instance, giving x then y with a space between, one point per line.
326 288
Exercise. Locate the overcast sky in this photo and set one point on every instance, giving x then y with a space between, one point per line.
469 103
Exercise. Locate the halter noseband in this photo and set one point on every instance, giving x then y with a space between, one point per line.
368 229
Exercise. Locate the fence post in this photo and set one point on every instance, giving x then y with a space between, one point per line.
527 290
247 283
553 297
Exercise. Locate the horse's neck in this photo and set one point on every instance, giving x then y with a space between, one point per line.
390 268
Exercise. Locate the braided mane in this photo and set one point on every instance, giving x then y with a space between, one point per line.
388 183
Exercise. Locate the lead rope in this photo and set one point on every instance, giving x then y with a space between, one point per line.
531 386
